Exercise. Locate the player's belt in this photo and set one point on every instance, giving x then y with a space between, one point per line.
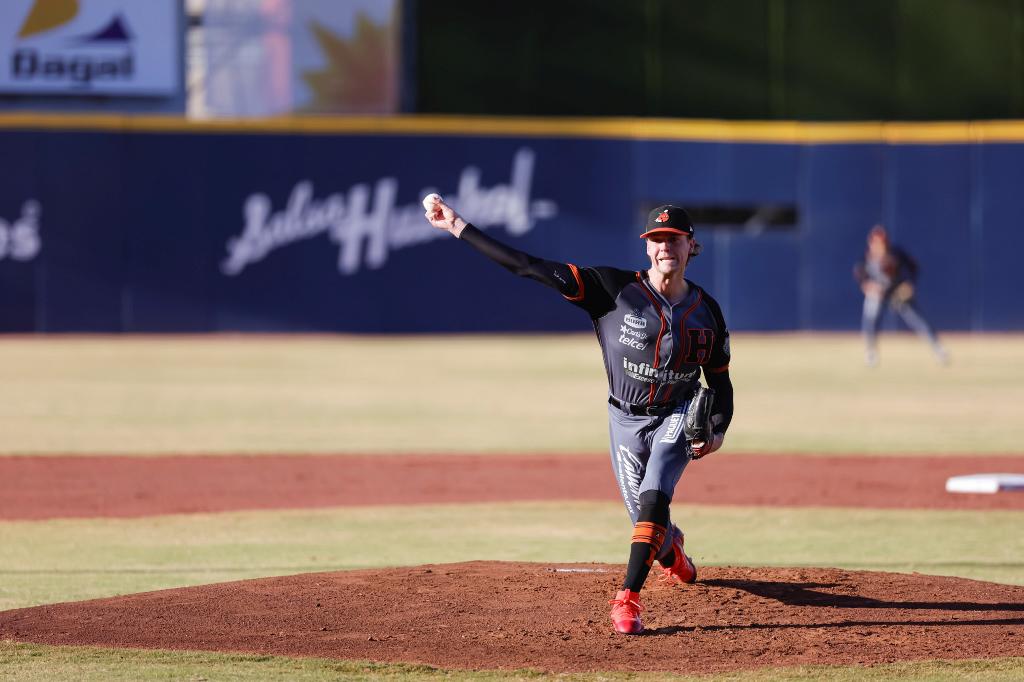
643 410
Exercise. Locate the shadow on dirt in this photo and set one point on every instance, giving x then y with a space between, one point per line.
805 594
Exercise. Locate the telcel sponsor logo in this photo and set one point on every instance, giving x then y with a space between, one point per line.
367 224
630 336
20 240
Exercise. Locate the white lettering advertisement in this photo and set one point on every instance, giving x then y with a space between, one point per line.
20 239
367 224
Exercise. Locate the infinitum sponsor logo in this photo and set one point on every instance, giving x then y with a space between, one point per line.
101 54
655 375
20 240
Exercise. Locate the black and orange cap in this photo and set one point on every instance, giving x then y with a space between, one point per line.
668 218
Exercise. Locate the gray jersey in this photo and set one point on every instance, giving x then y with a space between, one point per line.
654 351
888 270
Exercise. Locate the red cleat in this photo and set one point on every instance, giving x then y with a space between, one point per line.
683 570
626 613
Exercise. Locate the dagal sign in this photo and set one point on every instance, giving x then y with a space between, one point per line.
76 47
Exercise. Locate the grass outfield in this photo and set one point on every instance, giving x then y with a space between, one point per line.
33 663
66 560
795 393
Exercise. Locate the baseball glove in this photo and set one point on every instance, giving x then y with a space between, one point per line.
903 292
697 424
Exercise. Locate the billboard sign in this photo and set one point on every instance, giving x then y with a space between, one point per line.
87 47
269 231
300 57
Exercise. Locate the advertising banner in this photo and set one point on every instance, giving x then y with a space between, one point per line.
87 47
214 230
299 57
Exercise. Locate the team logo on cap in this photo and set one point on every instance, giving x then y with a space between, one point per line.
662 217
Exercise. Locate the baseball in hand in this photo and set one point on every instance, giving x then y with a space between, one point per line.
430 200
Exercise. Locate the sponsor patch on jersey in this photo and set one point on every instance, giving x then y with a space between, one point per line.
632 338
635 321
655 375
675 426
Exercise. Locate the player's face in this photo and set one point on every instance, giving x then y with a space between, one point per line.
877 246
668 252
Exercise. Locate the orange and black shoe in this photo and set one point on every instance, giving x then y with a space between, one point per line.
626 613
682 569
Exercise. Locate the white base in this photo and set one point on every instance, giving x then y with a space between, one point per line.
985 483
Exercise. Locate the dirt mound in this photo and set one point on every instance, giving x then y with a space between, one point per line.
494 615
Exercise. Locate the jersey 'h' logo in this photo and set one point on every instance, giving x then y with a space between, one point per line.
698 347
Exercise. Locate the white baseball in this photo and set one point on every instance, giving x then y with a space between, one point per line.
430 200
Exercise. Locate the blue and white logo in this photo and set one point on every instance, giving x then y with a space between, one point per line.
94 46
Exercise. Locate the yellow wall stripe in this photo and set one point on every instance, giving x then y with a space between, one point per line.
771 132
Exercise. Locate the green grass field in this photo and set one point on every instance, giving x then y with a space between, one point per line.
795 393
61 560
33 663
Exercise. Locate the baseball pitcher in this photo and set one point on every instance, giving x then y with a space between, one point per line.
659 332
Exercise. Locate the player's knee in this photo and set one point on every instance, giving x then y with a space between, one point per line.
652 498
651 527
654 507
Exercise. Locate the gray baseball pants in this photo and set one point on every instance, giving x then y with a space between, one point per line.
648 453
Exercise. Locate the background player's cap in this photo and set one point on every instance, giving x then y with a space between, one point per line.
668 218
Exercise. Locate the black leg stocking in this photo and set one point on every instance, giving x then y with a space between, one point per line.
649 534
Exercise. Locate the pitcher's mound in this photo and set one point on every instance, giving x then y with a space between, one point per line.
488 615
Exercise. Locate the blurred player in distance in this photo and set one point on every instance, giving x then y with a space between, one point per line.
658 332
887 275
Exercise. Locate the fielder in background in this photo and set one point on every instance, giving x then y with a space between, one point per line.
658 332
887 276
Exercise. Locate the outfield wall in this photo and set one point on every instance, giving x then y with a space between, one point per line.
157 225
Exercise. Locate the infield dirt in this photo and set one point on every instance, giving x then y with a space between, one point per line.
492 615
93 486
